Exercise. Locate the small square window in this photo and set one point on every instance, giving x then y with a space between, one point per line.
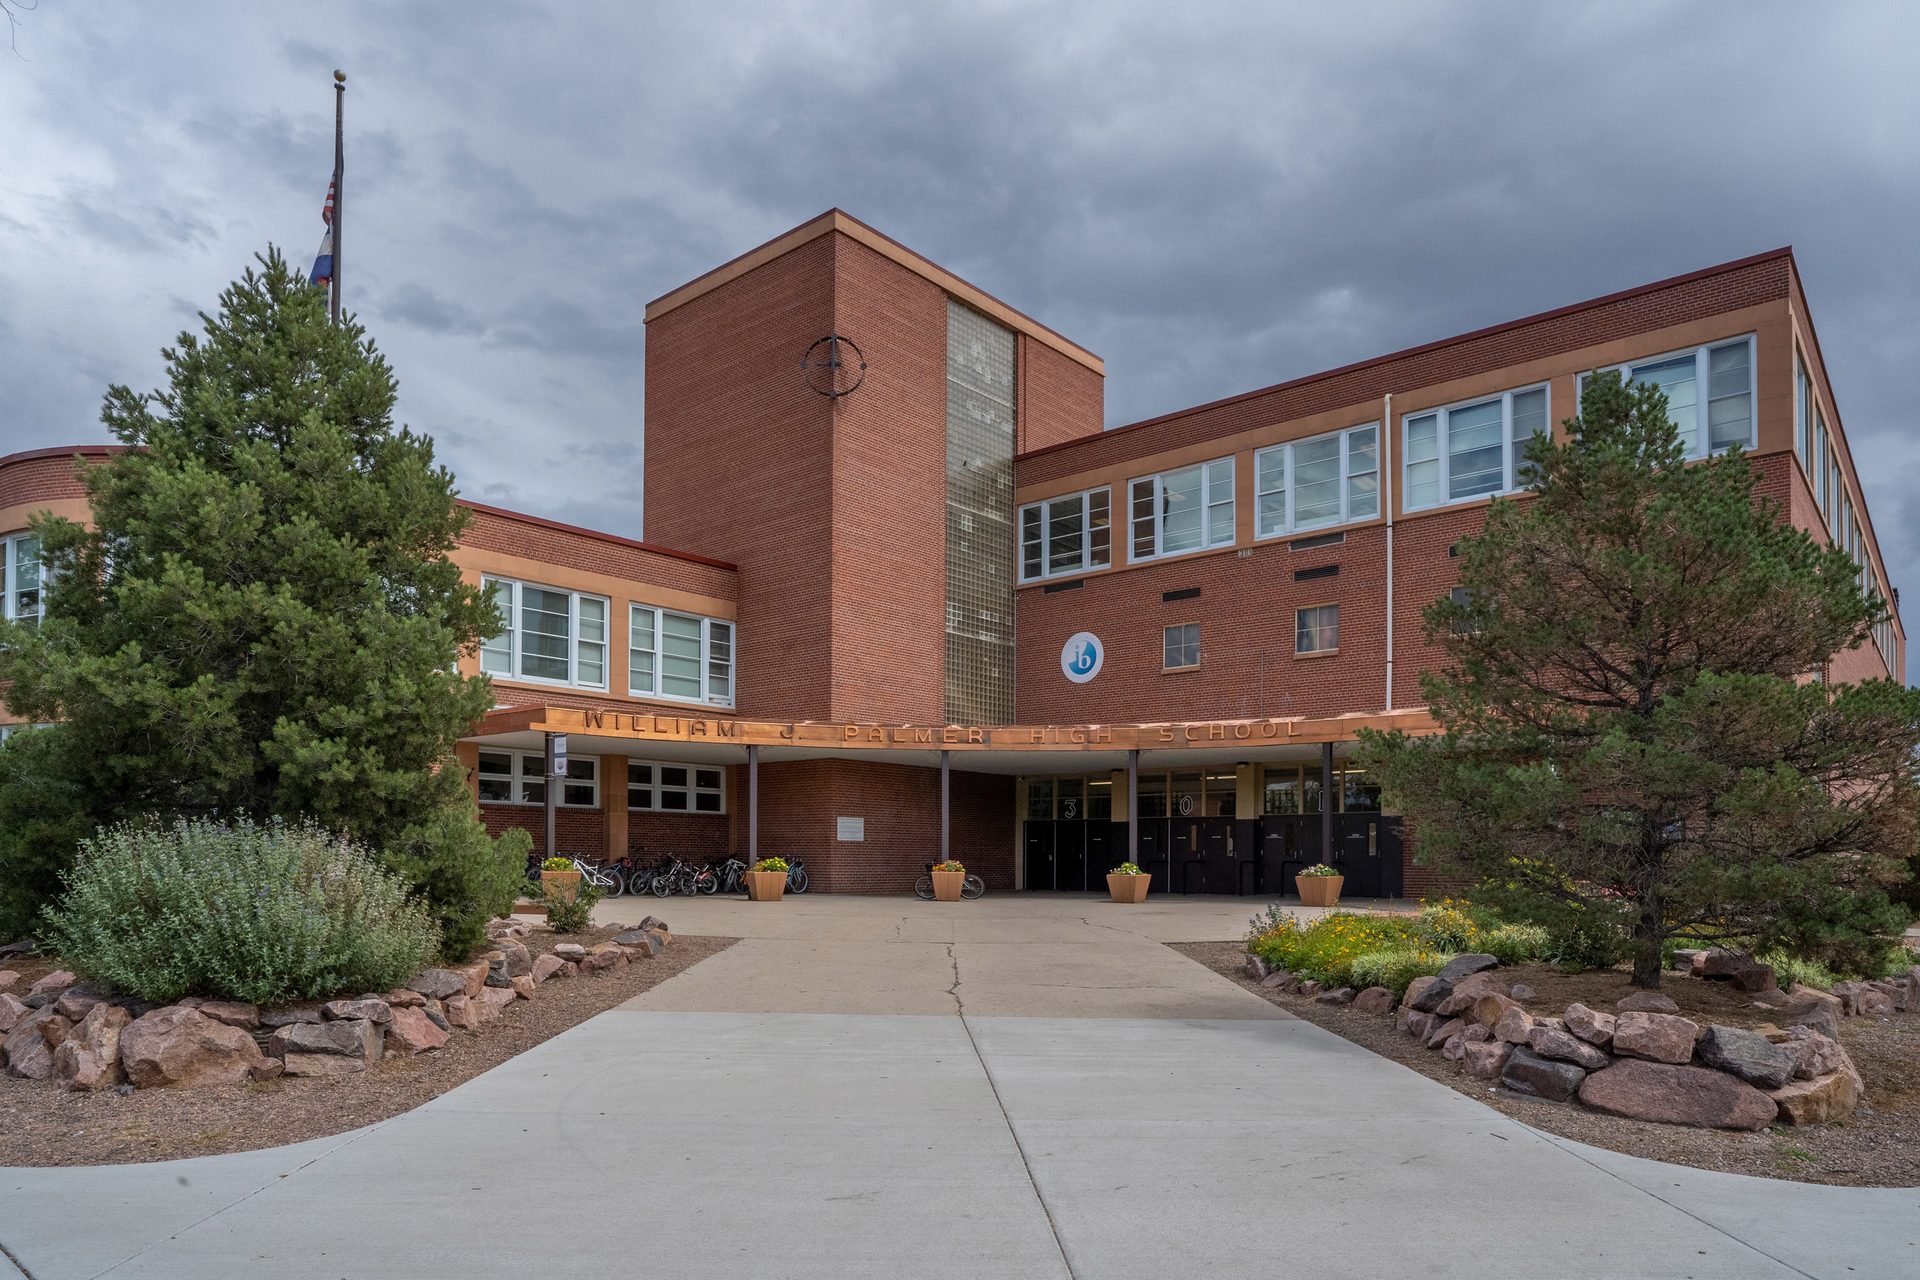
1180 646
1317 629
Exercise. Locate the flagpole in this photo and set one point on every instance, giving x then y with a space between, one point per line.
339 177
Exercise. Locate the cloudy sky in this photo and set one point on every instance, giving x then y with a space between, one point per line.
1214 198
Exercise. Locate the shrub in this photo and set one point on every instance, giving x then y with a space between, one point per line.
1515 943
570 914
771 864
557 864
1447 926
265 914
1395 967
1326 949
949 865
1585 939
1127 869
1788 970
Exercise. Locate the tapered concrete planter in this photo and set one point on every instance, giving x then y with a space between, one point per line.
564 883
766 886
947 885
1319 891
1129 888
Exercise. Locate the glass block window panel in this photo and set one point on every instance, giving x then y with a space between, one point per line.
1363 473
1730 396
1316 483
980 550
1317 630
493 777
1423 461
1181 646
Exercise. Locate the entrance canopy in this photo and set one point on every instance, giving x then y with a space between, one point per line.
1005 749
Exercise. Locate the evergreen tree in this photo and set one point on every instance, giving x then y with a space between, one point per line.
1634 711
262 619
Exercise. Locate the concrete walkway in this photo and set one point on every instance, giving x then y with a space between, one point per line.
888 1088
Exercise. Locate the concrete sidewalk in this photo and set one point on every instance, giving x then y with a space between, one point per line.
1031 1089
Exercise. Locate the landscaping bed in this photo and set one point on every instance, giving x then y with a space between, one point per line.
41 1124
1879 1145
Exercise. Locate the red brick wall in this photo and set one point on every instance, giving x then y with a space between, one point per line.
43 475
589 551
1059 399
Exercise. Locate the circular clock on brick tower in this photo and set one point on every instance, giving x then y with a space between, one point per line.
834 366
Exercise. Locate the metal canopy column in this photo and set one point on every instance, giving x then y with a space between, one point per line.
945 760
1133 807
1326 802
552 790
753 804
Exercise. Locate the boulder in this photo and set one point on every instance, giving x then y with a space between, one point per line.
523 986
1455 1048
639 940
271 1019
1892 990
545 967
1425 994
568 969
1820 1100
75 1001
1721 964
1684 958
1514 1026
7 979
29 1046
1806 1006
1488 1058
180 1046
11 1011
438 984
1755 977
267 1069
1564 1046
465 1012
232 1012
1374 1000
1647 1002
1254 967
89 1058
404 999
570 951
1339 995
1522 992
412 1032
515 958
297 1063
496 970
498 998
1590 1025
1311 987
1468 963
1746 1054
1532 1076
437 1015
475 975
1416 1023
1280 978
1444 1032
365 1009
348 1037
49 988
599 960
1658 1037
1490 1008
1475 1033
1857 1000
1669 1094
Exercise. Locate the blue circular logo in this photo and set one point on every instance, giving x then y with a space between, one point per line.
1082 657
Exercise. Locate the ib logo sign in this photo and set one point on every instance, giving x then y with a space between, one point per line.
1082 656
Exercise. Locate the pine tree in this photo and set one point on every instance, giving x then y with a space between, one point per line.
1634 712
262 619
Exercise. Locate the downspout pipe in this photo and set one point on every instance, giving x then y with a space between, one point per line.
1388 491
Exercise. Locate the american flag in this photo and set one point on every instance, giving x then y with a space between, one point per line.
323 261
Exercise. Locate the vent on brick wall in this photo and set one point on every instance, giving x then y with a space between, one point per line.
1319 540
1318 571
1453 550
1075 585
1184 593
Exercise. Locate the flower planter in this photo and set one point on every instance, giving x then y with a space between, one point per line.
766 886
947 885
1319 891
564 883
1129 888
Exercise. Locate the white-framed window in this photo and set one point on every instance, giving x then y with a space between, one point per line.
10 730
1802 415
1726 372
1187 509
552 636
1818 477
1069 534
1474 449
679 656
1316 629
1180 646
660 786
21 579
520 777
1313 483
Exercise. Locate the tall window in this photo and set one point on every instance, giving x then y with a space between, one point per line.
1818 478
1316 629
681 656
520 777
1802 416
552 636
20 579
658 787
1184 510
1180 646
1309 484
1471 450
1069 534
1717 377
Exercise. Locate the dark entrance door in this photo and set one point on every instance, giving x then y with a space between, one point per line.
1038 852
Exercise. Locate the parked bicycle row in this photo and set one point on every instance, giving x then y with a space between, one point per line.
670 876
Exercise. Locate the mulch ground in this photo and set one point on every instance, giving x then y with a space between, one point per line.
40 1125
1878 1147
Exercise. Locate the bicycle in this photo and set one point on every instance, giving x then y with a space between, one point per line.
970 888
666 877
733 876
609 879
796 876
